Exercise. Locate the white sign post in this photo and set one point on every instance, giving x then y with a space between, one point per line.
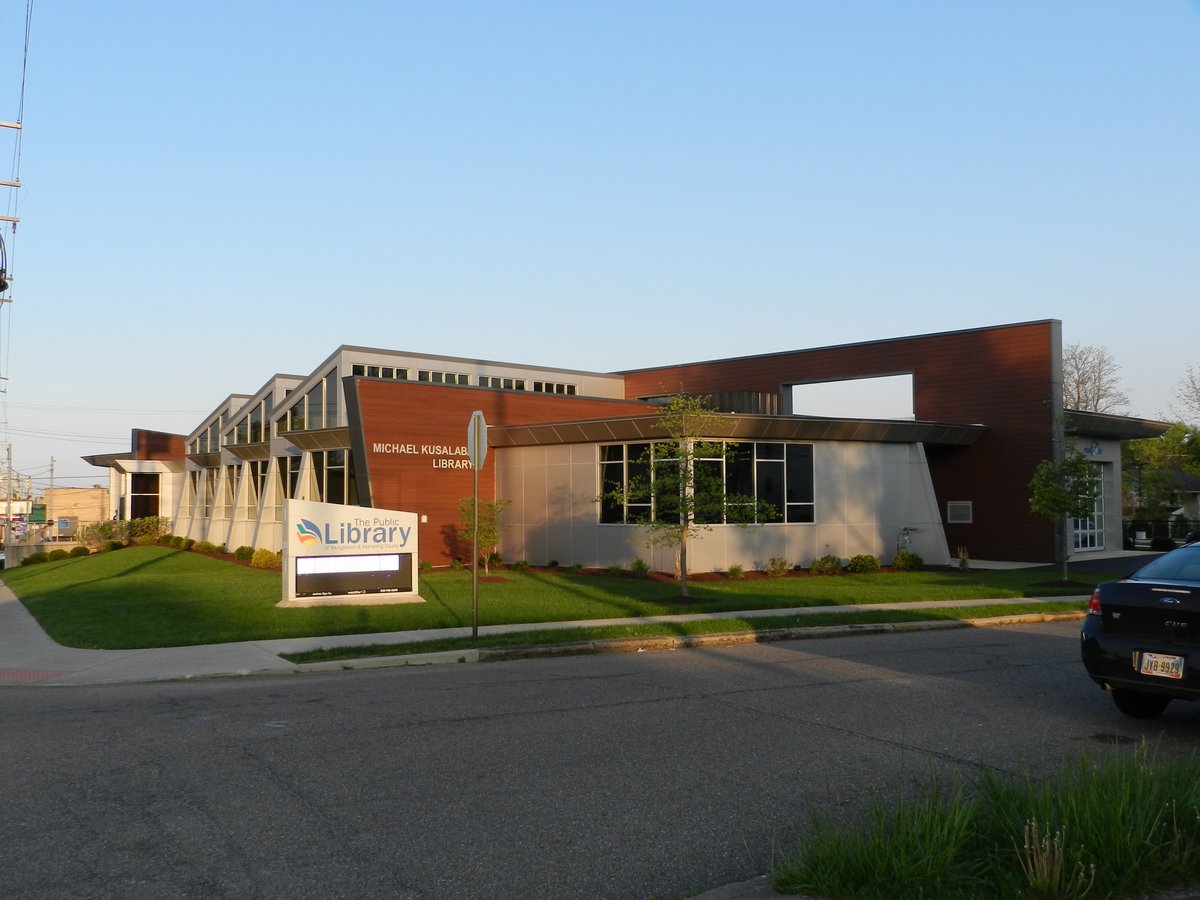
477 451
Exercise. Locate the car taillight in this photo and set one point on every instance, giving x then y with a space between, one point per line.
1094 603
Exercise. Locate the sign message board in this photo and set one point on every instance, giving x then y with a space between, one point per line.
335 554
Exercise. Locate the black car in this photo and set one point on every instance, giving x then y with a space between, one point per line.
1141 637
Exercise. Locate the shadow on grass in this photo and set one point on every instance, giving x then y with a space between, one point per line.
159 597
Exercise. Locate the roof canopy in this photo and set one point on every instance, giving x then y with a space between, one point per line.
736 426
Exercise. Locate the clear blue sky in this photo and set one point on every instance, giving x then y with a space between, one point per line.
216 192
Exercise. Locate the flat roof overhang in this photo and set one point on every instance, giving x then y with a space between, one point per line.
319 439
106 460
1105 426
259 450
737 426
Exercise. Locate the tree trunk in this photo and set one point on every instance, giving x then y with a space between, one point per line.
1066 548
683 565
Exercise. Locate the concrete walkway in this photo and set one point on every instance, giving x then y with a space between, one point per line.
29 656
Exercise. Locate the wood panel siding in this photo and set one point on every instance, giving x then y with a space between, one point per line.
158 445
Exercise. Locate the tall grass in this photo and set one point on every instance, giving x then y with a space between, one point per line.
1106 827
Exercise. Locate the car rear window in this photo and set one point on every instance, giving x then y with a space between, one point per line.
1178 565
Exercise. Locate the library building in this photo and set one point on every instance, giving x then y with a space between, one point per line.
947 468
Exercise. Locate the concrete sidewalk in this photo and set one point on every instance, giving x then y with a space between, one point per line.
29 656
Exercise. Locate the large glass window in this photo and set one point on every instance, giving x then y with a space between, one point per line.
295 416
733 482
255 432
289 475
334 475
315 414
143 495
798 474
331 399
257 472
209 482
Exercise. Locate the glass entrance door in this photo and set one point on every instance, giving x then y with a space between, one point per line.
1089 532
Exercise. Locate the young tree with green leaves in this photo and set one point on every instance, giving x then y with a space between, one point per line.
680 483
1062 490
1155 468
490 526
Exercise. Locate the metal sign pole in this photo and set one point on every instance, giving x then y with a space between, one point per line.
477 451
475 549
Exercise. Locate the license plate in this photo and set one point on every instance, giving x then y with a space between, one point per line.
1162 665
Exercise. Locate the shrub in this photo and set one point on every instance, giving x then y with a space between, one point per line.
186 544
243 552
266 559
97 534
80 551
57 554
110 546
735 571
493 559
149 528
153 527
614 570
425 566
863 564
1162 543
777 567
175 540
33 559
826 565
519 566
640 567
553 564
207 547
456 563
576 567
907 561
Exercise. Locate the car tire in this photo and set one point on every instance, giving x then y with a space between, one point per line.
1140 705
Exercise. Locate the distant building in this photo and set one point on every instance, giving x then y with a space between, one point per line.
387 429
79 506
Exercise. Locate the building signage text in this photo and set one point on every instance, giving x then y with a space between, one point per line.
443 456
358 531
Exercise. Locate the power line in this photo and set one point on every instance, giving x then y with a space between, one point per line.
63 436
110 409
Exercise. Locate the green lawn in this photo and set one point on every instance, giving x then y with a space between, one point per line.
161 597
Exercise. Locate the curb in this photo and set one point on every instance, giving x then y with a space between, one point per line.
683 642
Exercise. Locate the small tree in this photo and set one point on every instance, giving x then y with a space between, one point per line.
1064 489
490 512
681 482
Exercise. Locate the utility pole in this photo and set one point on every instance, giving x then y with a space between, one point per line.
8 492
50 529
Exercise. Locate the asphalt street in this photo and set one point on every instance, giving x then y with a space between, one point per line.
660 774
